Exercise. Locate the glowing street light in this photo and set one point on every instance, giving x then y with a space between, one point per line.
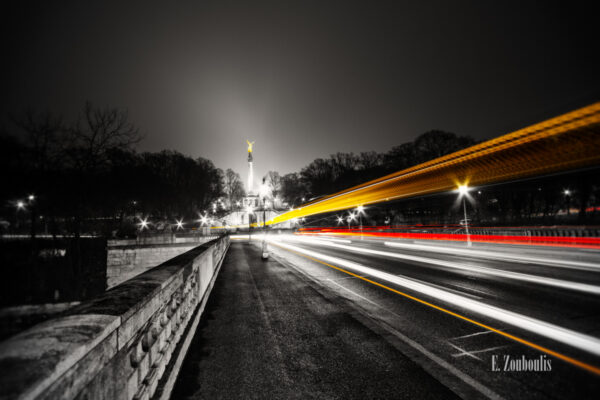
31 197
463 191
359 211
249 210
567 193
263 194
340 220
20 205
143 223
351 217
180 224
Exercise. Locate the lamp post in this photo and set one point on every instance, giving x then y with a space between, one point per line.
567 194
249 211
20 206
463 191
351 217
32 214
263 192
359 211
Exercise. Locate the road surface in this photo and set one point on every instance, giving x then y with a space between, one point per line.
369 319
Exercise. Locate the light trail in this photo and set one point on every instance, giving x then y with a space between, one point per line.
320 240
494 255
568 337
548 241
540 280
565 142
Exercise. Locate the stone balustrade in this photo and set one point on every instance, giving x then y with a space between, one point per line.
128 258
118 345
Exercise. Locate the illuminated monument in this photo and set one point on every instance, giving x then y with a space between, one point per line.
251 200
254 211
250 167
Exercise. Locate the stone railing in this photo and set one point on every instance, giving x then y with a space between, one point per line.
118 345
128 258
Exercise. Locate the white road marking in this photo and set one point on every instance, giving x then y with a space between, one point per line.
471 335
472 353
463 352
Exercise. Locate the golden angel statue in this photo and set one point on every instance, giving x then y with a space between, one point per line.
249 145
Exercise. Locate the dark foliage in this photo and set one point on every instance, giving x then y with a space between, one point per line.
86 177
343 170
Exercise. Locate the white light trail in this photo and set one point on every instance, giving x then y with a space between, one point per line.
540 280
494 255
319 240
536 326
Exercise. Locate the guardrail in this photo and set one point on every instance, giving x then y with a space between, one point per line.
118 345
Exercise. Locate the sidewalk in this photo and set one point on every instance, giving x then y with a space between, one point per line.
267 334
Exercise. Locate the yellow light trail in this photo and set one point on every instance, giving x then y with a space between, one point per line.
562 143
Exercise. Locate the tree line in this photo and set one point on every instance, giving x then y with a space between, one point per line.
340 171
568 198
84 176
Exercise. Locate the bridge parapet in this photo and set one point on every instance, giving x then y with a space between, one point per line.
118 345
128 258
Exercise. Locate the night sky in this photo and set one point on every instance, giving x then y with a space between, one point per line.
302 79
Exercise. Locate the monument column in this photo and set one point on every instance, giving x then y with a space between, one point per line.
250 168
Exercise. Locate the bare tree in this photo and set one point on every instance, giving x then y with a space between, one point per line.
274 182
234 188
370 159
293 188
98 131
45 137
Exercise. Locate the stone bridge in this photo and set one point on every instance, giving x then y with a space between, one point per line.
124 344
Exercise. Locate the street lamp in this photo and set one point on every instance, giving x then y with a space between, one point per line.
143 223
359 211
263 192
32 210
463 191
249 210
180 224
567 194
351 218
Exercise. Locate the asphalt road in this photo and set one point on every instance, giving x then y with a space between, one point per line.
367 320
